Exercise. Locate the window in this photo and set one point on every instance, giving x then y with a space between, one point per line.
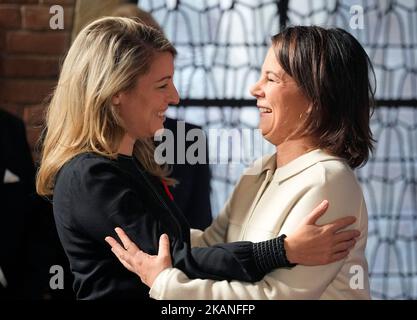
221 47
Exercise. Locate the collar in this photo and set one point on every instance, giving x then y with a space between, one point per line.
302 163
262 165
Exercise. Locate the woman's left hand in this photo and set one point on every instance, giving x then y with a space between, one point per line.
146 266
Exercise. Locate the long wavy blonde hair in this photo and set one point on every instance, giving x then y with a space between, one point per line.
107 57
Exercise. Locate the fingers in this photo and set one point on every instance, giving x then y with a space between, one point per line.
339 255
126 264
346 235
344 246
163 250
127 243
115 246
128 259
119 251
314 215
341 223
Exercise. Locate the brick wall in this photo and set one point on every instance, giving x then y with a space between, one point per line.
30 55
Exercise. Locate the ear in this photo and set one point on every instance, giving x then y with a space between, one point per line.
115 100
309 109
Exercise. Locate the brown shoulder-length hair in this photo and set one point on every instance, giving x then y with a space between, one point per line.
333 71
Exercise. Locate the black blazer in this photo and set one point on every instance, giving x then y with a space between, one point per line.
93 195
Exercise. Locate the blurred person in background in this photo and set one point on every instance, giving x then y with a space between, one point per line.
29 244
192 192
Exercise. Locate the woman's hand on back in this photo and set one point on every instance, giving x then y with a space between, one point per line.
146 266
311 244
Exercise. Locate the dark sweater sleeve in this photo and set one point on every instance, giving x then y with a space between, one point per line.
104 200
242 260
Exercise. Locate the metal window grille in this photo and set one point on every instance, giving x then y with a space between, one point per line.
221 47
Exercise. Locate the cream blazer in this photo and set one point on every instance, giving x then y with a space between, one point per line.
268 202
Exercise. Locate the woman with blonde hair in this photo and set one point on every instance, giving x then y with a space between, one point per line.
114 88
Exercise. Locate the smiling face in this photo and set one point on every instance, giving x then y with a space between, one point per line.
143 107
282 104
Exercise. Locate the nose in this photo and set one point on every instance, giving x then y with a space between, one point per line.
174 97
256 90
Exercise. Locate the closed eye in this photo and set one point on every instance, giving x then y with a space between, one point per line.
272 76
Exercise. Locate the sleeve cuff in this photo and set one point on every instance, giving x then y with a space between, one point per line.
159 285
271 254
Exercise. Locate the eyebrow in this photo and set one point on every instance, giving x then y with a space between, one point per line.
273 73
164 78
